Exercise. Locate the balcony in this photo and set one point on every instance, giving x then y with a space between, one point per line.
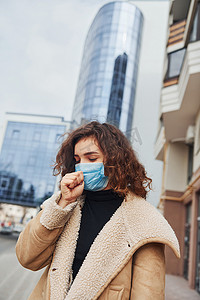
176 33
182 14
180 102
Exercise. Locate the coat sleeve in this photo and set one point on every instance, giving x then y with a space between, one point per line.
36 244
148 281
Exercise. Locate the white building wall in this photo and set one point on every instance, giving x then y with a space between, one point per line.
176 167
196 163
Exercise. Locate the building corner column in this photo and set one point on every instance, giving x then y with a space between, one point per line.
193 241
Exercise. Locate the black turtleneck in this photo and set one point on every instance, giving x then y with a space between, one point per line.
97 211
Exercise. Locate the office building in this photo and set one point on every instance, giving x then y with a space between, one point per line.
28 150
178 138
108 75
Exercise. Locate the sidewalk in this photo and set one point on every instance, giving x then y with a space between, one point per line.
177 289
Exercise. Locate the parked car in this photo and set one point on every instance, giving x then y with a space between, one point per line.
6 229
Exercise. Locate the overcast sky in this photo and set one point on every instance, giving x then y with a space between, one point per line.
40 55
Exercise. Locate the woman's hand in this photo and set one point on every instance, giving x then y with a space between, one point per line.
72 186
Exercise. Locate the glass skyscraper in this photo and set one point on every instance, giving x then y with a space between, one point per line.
27 154
108 74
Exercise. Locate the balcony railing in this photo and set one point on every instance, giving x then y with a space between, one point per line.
176 33
170 81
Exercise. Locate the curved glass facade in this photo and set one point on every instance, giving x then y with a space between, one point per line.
27 155
108 74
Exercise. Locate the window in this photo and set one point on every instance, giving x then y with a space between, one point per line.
32 161
197 138
98 91
10 157
195 32
15 133
102 66
58 138
4 183
175 61
37 136
190 162
26 185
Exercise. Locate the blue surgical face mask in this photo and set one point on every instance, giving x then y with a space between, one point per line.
94 178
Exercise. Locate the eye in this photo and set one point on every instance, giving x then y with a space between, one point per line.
92 159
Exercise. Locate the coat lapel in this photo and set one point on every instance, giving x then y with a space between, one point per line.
61 267
104 257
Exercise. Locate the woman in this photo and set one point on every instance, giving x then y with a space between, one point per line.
98 236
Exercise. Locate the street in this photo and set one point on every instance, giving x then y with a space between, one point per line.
16 283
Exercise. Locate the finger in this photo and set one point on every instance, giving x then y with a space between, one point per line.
72 176
78 190
71 180
68 177
73 184
66 183
80 177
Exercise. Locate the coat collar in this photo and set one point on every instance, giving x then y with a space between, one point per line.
135 223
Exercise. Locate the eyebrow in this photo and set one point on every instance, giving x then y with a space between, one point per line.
88 153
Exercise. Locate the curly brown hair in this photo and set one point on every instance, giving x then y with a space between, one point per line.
122 167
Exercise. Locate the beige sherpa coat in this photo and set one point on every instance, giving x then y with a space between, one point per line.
135 230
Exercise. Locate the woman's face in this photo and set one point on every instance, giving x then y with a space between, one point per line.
88 151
